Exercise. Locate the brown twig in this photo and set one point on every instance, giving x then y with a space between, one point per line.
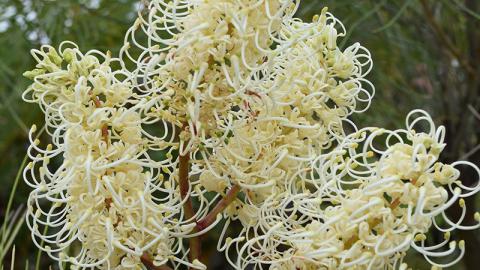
183 170
220 207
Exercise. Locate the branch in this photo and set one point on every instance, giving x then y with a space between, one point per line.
445 40
222 205
474 112
183 170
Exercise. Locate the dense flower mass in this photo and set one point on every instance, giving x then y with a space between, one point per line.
236 111
363 206
295 113
101 190
202 57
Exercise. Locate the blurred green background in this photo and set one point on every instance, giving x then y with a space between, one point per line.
426 55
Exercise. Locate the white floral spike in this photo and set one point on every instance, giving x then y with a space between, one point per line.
253 106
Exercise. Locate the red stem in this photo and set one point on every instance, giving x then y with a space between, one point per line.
183 169
219 208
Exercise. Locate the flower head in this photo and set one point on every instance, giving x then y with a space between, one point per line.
253 106
101 194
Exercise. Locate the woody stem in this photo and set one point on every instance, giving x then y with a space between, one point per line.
219 208
183 170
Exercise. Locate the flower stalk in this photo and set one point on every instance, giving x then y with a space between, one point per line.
183 171
219 208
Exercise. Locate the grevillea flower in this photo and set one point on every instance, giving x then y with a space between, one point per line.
253 108
201 58
362 206
101 194
295 113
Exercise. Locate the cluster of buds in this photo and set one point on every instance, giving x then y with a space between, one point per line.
253 109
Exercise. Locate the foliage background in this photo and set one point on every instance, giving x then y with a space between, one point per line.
426 55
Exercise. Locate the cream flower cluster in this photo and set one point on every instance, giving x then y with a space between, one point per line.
253 109
202 57
363 206
95 183
295 113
